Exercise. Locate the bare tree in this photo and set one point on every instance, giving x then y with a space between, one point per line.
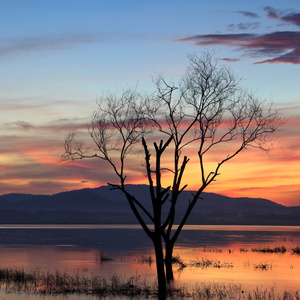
204 112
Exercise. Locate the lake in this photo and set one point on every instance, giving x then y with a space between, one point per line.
228 254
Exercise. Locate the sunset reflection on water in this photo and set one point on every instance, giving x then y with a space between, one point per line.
230 252
244 267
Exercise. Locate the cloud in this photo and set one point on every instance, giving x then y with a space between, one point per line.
29 44
283 46
271 12
23 125
29 103
292 57
50 42
32 176
293 18
243 26
61 125
248 14
273 47
230 59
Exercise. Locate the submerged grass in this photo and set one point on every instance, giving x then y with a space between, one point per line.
276 249
102 257
144 259
176 260
209 263
37 281
264 266
42 282
296 250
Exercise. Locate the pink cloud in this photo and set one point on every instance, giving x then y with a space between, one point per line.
283 46
230 59
277 47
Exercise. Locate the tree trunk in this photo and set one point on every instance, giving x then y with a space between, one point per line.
168 261
161 277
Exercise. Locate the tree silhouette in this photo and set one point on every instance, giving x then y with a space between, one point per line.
204 113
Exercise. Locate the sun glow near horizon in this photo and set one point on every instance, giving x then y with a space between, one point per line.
35 168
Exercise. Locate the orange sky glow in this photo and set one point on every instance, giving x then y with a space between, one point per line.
253 173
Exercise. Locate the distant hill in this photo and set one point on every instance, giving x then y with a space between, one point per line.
101 205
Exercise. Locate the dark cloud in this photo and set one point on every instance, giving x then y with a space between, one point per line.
271 12
293 18
33 175
283 46
274 47
243 26
290 57
23 125
248 14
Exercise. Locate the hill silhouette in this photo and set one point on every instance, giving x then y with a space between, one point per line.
101 206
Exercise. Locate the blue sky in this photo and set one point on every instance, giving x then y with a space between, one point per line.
57 57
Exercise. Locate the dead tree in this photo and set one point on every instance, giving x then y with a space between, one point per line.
206 111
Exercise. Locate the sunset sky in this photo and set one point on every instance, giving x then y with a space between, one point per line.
57 58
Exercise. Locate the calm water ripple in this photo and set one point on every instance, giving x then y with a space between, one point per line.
227 250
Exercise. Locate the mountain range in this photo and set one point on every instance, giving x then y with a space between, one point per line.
105 206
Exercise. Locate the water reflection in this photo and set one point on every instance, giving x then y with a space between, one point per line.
242 266
75 249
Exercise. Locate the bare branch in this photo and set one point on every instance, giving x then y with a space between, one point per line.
206 112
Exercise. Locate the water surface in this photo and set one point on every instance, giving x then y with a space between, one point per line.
75 249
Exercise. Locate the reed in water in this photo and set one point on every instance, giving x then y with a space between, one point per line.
53 283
